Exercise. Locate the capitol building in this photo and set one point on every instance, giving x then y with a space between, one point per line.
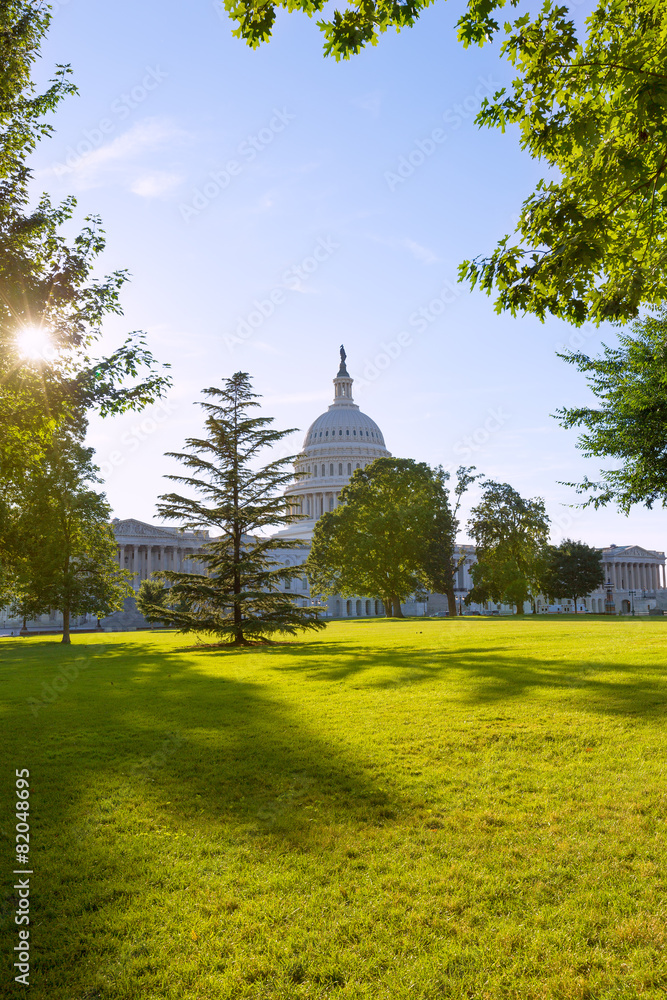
339 441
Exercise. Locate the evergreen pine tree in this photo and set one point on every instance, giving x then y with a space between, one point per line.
239 597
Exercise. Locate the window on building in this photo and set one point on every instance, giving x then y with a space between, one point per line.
348 432
288 584
304 583
331 503
331 472
358 466
340 468
324 472
349 468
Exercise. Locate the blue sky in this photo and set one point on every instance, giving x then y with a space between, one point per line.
271 205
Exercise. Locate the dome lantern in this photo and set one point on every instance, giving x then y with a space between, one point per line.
343 383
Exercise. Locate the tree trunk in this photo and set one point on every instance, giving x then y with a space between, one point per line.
575 605
66 635
239 639
451 602
396 606
519 608
387 609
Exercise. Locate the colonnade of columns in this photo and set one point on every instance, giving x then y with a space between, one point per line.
144 560
635 575
315 504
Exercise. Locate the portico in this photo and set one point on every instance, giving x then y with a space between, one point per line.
145 549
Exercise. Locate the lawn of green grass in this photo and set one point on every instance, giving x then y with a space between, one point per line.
394 809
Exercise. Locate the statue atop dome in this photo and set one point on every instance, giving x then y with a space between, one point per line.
342 371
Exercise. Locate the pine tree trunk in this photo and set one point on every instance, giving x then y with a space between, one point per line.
451 602
66 636
239 638
396 607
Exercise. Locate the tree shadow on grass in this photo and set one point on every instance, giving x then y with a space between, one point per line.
492 673
136 738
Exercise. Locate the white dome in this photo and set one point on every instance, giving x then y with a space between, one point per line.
343 426
338 443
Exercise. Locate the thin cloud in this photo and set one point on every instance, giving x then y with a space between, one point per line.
372 102
117 158
155 184
420 253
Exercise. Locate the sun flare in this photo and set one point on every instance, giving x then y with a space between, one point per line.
34 343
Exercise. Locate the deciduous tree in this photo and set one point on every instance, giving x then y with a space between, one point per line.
590 241
510 534
69 564
573 569
629 424
51 304
392 533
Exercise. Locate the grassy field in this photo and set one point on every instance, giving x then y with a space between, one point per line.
468 808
